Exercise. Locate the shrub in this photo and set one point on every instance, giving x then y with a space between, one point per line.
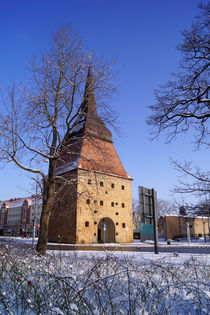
64 283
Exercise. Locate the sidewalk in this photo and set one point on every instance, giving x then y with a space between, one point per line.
196 246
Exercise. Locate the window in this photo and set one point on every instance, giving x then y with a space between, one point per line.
86 224
95 222
116 233
112 204
89 181
123 187
117 213
101 184
95 201
101 203
95 211
112 185
117 223
88 201
123 225
123 205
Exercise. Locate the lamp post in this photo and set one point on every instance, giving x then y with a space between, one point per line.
204 232
207 195
188 232
34 220
23 223
155 225
35 212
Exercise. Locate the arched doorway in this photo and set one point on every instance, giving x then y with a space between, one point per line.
106 231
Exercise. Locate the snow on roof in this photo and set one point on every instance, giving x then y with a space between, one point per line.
6 203
67 167
29 201
17 202
37 201
185 216
78 127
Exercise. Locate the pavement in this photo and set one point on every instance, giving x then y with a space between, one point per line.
196 247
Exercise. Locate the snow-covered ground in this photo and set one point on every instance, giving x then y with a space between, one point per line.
91 282
161 242
172 258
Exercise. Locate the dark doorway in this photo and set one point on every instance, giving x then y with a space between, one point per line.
99 235
106 231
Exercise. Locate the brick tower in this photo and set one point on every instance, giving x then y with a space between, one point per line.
96 206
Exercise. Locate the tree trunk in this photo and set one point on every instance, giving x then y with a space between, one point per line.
48 199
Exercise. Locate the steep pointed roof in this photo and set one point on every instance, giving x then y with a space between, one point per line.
89 145
89 123
89 101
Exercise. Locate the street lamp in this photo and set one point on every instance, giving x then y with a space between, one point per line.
204 232
34 219
188 232
207 210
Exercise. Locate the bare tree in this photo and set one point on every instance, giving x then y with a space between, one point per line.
183 104
199 183
41 114
136 206
165 207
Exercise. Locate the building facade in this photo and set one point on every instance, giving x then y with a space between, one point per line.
96 205
175 226
18 215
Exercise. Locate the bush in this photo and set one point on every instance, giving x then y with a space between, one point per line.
63 283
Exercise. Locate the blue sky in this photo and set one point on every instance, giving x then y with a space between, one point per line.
144 35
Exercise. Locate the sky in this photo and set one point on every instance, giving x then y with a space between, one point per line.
144 35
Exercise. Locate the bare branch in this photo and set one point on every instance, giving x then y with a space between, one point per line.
40 115
183 103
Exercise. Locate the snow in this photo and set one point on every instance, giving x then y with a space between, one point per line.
78 127
186 217
161 243
16 203
67 167
182 242
143 257
103 282
37 201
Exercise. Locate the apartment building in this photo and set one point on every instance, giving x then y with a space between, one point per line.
18 215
